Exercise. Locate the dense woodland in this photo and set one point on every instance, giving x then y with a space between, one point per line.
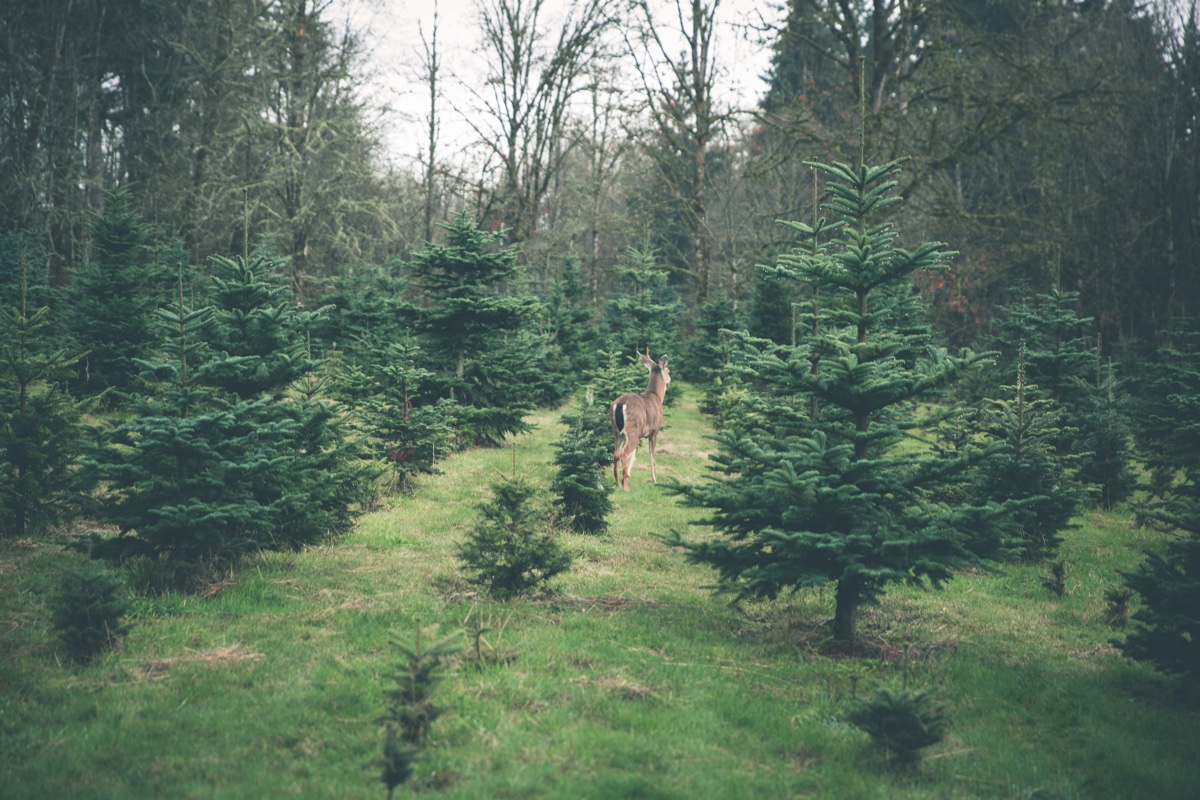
230 320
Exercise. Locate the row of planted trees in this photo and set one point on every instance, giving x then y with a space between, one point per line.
222 417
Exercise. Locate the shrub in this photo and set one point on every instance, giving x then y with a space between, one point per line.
410 708
901 722
88 612
507 550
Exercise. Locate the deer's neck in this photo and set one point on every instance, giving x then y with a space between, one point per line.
656 389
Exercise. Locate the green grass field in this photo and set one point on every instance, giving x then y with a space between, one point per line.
631 680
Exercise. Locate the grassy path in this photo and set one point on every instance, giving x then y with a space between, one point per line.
631 681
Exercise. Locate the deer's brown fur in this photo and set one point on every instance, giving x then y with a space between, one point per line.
637 416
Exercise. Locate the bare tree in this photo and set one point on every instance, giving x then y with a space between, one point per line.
432 65
678 89
534 80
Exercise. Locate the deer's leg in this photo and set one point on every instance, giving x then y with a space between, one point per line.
629 467
653 444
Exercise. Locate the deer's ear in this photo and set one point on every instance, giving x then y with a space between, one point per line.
649 362
662 362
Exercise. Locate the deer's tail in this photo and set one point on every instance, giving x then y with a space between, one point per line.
618 415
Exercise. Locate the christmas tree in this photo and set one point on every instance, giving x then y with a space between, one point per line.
814 487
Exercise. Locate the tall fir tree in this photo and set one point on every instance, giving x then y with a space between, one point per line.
40 425
572 321
112 302
1106 437
646 311
410 428
1167 626
476 326
818 489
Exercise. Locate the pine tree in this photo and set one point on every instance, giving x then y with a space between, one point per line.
112 308
476 325
1167 410
88 612
816 490
902 722
646 312
709 350
411 711
263 357
256 329
1167 626
1029 467
507 551
1106 436
195 477
571 320
580 488
40 430
412 429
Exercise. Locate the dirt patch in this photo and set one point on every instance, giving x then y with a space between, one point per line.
155 668
610 604
619 685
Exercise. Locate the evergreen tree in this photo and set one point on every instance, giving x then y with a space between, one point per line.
475 325
821 493
40 441
200 474
1105 437
88 611
411 711
571 319
902 722
183 471
262 347
411 429
1167 626
113 311
771 308
1167 410
709 351
1029 467
580 489
507 551
1057 347
256 329
646 312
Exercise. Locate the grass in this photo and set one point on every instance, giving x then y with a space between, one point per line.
630 681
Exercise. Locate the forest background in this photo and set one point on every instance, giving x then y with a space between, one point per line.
1053 144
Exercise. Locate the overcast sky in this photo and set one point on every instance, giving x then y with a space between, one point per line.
393 30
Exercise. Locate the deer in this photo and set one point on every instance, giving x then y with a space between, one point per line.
636 417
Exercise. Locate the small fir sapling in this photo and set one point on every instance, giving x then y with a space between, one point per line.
901 722
88 612
476 626
581 492
1056 581
1118 600
508 550
410 711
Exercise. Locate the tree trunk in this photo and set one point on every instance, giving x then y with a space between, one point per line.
845 615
